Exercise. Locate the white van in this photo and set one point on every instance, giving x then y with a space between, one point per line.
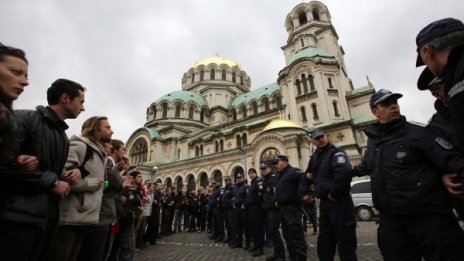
362 199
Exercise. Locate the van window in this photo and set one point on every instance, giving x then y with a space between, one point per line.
363 187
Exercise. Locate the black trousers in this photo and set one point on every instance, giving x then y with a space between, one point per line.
332 235
218 220
153 226
20 241
273 221
256 219
241 217
293 231
228 220
431 236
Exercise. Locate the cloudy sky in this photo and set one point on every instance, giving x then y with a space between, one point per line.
130 53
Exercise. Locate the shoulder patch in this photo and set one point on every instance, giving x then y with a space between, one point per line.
444 143
339 154
341 159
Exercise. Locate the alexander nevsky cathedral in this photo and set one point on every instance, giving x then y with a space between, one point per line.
217 125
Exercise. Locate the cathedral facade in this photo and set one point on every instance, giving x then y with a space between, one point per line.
217 126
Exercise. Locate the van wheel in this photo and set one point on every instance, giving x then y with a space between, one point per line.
364 213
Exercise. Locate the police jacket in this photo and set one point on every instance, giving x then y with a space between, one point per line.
269 186
331 170
453 78
240 194
216 197
40 133
288 189
227 197
440 123
255 193
405 162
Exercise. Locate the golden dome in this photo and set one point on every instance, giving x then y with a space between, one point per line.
279 124
217 60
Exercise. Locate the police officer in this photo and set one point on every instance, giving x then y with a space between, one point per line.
330 171
241 213
405 162
227 209
288 194
215 203
254 202
440 46
272 213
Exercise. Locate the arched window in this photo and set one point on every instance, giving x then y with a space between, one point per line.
233 76
223 75
303 114
202 75
202 116
278 100
241 80
337 113
154 112
234 114
244 111
298 86
316 14
177 115
212 74
221 145
197 151
302 18
244 139
139 152
191 113
193 77
238 141
203 180
254 105
302 42
178 153
266 104
305 83
165 111
314 109
201 150
311 82
216 146
330 83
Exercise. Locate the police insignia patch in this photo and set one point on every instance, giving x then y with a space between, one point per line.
444 143
341 159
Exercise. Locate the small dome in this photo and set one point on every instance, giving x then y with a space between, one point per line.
184 96
216 60
280 124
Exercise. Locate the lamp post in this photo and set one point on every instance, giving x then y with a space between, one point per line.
153 172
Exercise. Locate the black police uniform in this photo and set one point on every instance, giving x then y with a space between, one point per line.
254 202
273 214
241 215
405 162
215 203
228 212
331 170
453 78
288 194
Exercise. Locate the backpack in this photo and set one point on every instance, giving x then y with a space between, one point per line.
87 156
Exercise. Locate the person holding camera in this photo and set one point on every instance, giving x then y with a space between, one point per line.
406 163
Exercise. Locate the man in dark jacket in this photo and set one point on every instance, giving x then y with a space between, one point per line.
30 211
330 171
254 203
440 46
406 162
227 210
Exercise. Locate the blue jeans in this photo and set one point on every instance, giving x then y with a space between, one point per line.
178 219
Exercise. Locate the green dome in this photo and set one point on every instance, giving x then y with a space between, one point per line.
184 96
255 94
308 53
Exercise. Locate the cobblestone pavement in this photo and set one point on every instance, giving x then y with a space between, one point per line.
197 246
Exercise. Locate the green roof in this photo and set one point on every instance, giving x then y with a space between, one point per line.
184 96
360 90
255 94
307 53
153 132
363 119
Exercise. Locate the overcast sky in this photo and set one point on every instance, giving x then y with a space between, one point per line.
130 53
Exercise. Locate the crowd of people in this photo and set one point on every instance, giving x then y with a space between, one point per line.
78 198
